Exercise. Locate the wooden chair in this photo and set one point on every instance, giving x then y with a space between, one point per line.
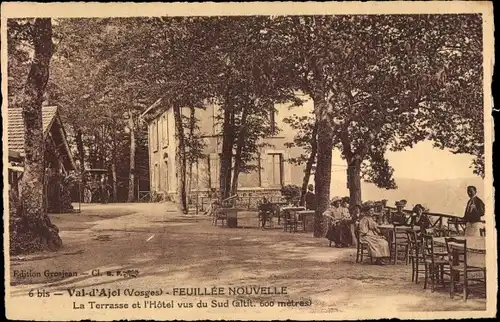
329 225
416 256
219 215
361 248
399 242
435 262
289 222
299 222
459 266
458 225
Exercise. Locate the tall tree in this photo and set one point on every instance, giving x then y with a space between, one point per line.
308 42
386 85
247 87
392 88
34 230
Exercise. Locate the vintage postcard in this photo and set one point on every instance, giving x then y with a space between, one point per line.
248 161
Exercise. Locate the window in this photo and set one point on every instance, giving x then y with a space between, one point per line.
276 169
154 135
165 176
214 169
154 178
164 130
272 117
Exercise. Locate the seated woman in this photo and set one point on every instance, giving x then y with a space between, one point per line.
420 219
339 231
370 234
333 215
214 202
400 217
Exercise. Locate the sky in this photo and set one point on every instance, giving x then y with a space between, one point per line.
422 162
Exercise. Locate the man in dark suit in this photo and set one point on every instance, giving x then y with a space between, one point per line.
310 198
473 213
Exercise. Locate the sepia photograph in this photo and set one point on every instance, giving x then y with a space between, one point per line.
260 161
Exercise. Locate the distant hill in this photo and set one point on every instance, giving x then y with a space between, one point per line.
445 196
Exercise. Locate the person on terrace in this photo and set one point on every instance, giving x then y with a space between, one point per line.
420 219
310 198
400 217
370 234
265 211
339 232
331 216
474 210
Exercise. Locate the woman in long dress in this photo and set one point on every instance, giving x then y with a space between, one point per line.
369 233
341 231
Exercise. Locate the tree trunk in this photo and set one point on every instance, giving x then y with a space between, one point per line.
115 181
354 180
239 147
131 178
323 168
81 156
227 153
180 159
80 148
309 164
34 230
209 171
192 124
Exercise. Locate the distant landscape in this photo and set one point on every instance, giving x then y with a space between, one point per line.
444 196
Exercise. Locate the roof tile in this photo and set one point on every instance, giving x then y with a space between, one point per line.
15 126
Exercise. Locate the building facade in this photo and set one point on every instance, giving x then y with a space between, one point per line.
275 170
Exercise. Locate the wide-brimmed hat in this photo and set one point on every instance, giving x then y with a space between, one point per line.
420 206
400 203
335 199
367 205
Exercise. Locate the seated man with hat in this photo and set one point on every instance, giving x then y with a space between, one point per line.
370 234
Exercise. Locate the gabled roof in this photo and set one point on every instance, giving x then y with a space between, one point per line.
15 131
153 107
15 126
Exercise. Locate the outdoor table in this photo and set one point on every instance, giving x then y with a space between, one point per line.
476 248
231 216
292 211
391 227
305 215
387 230
292 208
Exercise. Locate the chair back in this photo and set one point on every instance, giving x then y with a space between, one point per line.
457 254
441 232
428 247
356 231
399 234
429 232
412 240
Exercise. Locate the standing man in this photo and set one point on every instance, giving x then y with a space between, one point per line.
310 198
473 213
